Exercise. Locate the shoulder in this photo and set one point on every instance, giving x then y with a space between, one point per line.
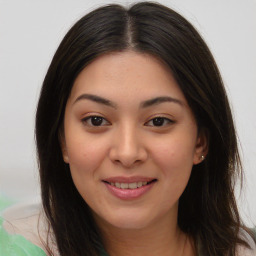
19 232
244 251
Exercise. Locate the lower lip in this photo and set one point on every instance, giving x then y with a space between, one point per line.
128 194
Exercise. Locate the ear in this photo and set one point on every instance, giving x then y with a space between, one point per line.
63 146
201 149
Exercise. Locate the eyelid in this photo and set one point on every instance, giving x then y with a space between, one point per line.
88 117
170 121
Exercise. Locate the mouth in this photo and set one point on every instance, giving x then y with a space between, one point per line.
129 188
130 185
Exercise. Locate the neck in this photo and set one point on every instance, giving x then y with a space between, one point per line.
160 239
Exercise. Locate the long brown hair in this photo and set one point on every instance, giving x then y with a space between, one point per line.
207 208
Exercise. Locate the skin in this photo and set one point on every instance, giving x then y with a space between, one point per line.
127 143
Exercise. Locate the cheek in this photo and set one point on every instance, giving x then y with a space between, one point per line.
175 160
174 153
85 154
174 156
84 161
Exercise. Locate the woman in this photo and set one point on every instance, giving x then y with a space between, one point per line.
136 144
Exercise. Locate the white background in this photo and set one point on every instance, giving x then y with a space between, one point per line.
30 31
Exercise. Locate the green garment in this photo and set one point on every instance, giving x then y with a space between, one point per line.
17 245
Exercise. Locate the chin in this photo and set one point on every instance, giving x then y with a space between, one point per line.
130 223
127 219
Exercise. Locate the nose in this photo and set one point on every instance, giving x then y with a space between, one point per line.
128 147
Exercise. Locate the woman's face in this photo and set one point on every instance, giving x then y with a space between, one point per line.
130 139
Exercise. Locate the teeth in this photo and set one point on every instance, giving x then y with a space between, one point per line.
124 185
139 184
132 185
129 185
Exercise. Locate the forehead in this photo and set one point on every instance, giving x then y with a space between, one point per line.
126 74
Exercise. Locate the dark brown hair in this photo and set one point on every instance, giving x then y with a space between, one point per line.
207 208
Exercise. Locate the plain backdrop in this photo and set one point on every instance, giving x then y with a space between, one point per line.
30 31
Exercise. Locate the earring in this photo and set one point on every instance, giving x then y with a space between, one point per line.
202 157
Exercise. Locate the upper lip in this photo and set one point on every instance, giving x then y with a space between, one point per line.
132 179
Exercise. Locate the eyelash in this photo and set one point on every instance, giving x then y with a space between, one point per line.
90 118
163 121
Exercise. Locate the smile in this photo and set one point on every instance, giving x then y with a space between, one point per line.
132 185
129 190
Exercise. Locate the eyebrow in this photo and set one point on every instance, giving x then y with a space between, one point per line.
158 100
144 104
97 99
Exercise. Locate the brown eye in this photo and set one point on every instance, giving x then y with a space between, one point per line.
95 121
159 121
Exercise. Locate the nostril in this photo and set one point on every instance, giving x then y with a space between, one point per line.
127 155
